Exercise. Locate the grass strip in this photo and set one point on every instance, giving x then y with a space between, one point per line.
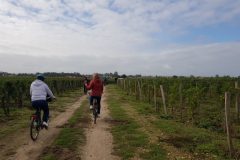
129 140
66 145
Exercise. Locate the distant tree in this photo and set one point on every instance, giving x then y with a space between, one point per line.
123 76
115 74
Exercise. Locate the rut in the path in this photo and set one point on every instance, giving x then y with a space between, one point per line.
99 145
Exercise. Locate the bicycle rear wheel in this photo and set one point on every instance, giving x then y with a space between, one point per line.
95 114
34 129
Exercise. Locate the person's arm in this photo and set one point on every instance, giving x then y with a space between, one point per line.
90 85
49 92
31 90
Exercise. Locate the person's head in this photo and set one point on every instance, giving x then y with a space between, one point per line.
40 77
96 76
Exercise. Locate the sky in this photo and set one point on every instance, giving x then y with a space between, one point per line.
148 37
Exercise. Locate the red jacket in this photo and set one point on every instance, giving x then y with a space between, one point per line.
97 87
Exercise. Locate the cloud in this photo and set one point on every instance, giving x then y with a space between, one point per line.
137 36
204 60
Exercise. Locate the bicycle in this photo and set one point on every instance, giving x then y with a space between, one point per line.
36 123
95 110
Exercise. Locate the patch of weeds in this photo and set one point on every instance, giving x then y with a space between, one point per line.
166 117
18 120
49 157
192 139
71 136
214 148
210 117
167 126
155 153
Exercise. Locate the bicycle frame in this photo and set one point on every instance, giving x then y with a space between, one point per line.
36 125
37 118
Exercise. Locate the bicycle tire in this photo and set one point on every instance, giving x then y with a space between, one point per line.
95 110
95 116
34 129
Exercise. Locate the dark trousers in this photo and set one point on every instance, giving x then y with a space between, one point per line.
41 105
98 102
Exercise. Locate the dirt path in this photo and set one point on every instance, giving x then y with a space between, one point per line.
99 139
31 150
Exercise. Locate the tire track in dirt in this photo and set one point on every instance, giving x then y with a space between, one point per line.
31 150
99 145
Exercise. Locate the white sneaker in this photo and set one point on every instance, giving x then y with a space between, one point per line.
91 107
45 124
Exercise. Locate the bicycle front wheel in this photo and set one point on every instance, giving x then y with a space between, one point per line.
34 129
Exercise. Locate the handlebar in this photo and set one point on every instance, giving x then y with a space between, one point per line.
50 99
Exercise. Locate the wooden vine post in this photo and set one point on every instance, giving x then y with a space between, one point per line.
237 100
135 86
118 82
181 100
140 91
129 87
148 94
227 121
163 99
155 98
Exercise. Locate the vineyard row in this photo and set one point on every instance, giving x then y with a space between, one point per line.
14 91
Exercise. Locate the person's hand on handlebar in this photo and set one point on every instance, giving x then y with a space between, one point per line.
54 98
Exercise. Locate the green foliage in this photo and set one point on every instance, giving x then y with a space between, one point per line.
199 103
14 91
185 97
193 97
213 118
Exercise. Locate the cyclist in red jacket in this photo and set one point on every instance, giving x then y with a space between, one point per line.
96 85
